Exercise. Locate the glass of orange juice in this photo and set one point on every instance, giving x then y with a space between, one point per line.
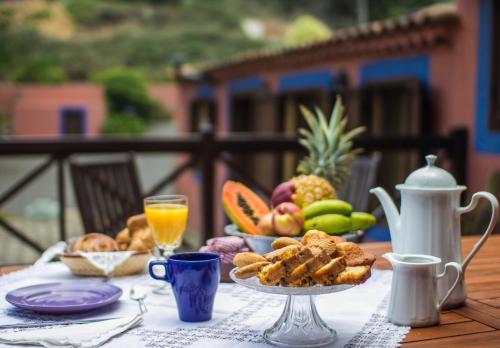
167 218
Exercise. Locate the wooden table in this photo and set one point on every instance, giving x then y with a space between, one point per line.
477 324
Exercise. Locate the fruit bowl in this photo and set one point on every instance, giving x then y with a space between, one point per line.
259 244
262 244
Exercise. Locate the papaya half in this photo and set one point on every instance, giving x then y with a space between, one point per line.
243 206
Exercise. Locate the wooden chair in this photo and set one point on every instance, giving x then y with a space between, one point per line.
107 193
363 175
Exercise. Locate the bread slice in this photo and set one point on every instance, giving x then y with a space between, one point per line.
353 275
283 242
271 274
250 270
247 258
320 257
283 253
327 274
354 255
297 259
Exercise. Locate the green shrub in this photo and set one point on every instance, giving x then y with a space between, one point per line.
123 124
126 92
305 29
41 71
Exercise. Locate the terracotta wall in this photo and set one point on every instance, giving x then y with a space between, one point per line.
36 108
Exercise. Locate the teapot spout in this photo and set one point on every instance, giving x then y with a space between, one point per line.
390 210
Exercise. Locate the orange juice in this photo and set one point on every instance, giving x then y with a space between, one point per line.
168 222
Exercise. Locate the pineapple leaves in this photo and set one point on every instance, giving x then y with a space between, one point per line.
329 145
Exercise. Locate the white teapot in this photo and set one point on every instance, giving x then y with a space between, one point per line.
430 221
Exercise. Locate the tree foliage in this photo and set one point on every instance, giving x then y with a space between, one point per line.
127 93
306 29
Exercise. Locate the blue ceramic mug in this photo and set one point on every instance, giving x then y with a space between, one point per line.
194 278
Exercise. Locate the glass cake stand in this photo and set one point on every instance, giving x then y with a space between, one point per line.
300 324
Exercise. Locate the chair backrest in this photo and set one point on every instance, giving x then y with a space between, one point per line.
362 177
107 193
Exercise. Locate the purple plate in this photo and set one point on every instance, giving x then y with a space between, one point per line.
67 297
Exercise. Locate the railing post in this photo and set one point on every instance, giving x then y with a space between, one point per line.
208 155
457 152
61 194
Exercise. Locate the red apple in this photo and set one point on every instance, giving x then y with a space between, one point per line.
282 193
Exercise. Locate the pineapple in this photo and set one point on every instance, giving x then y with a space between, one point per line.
310 188
330 150
326 168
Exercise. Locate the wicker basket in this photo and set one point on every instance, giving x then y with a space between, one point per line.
82 267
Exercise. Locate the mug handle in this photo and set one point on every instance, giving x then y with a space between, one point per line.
494 214
459 269
158 263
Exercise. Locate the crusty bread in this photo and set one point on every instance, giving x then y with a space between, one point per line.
247 258
353 275
282 253
272 274
354 255
250 270
327 274
283 242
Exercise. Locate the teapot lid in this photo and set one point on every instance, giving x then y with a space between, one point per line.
430 176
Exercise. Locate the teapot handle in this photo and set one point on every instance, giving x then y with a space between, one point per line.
459 269
494 214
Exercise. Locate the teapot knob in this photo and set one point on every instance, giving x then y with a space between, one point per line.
430 160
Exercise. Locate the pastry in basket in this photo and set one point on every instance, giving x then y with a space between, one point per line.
318 259
136 236
93 242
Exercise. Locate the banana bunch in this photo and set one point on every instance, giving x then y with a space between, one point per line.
334 216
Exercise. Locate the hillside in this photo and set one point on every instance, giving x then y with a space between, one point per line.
58 40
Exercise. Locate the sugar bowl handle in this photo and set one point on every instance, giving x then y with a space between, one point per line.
458 267
494 215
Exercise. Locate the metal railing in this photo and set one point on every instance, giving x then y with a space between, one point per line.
203 149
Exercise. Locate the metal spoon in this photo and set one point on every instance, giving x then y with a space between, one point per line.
138 293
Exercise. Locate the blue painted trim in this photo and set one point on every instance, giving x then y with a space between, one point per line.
486 141
417 67
62 118
205 92
306 80
249 84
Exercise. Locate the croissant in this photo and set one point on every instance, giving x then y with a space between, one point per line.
93 242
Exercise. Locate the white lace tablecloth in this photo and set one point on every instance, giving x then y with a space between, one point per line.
240 315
